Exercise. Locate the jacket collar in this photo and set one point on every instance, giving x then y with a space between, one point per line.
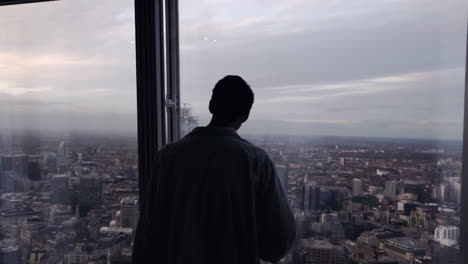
213 131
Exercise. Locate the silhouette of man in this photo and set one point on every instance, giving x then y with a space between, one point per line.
213 196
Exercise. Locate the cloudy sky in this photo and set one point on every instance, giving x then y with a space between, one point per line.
392 68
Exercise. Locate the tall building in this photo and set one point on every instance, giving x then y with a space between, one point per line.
343 161
447 235
60 192
61 151
391 188
90 193
129 212
318 251
17 163
456 191
283 172
34 171
310 197
357 187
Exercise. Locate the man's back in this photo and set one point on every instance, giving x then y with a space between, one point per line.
214 198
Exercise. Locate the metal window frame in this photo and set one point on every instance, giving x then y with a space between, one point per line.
173 72
463 256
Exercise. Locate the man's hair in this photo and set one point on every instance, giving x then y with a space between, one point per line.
232 98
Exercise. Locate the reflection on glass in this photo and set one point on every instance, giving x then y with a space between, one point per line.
68 147
360 105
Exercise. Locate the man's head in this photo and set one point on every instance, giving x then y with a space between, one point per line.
232 100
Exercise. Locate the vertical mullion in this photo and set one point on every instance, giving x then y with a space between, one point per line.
173 83
464 181
150 85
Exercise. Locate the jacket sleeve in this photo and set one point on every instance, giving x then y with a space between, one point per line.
275 222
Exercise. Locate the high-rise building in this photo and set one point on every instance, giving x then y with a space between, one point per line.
357 187
312 251
447 235
129 212
60 189
17 163
391 188
310 197
34 171
456 191
61 151
90 193
343 161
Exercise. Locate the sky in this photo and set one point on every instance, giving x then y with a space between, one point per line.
387 68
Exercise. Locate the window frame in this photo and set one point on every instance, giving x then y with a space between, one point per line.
463 240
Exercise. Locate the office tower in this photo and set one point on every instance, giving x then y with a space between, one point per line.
17 163
391 188
61 151
34 171
314 251
441 192
447 235
456 191
283 172
357 187
421 190
310 197
342 161
129 212
60 192
89 194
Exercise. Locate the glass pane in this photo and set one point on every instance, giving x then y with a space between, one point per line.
360 105
68 145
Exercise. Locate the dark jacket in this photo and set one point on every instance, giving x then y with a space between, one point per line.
213 198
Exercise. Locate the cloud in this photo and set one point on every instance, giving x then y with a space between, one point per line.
308 92
6 89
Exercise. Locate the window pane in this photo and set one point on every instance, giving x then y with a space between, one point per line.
360 105
68 145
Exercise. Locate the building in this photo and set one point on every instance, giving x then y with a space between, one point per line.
60 192
129 212
447 235
90 193
17 163
310 197
403 249
391 188
420 219
312 251
343 161
357 187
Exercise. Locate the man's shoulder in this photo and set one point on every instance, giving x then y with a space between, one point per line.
233 142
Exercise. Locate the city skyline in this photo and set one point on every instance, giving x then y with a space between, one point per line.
341 68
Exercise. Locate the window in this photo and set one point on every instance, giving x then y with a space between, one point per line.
359 103
68 145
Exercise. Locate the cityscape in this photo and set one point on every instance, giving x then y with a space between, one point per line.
74 198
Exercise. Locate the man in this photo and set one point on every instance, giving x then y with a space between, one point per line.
213 196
